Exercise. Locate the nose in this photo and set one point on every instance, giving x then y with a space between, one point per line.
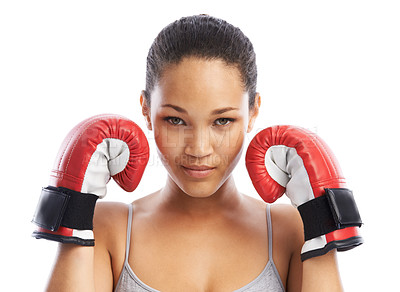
198 142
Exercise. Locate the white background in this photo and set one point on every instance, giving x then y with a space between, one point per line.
330 66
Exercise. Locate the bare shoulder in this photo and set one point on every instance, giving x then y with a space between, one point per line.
286 222
109 222
287 215
287 238
288 225
107 213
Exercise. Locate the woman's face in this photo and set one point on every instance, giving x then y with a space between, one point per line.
199 114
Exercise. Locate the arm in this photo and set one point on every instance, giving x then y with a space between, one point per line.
321 274
85 268
295 161
315 274
97 149
73 270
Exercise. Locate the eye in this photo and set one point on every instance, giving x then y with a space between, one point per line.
174 121
224 121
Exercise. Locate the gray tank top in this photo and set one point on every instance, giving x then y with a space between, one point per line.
267 280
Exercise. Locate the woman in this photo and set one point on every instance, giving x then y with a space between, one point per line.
198 232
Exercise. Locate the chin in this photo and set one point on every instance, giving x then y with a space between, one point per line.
196 187
198 190
203 188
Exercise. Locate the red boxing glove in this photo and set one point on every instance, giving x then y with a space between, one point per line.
294 160
95 150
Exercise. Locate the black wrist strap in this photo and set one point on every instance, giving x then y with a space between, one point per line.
335 210
64 207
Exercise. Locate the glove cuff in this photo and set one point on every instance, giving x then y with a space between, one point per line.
335 210
309 252
64 207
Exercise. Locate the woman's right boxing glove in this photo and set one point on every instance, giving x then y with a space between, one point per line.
95 150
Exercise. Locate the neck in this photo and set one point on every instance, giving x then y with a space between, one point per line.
173 199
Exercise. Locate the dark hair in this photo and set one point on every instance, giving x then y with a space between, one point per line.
204 37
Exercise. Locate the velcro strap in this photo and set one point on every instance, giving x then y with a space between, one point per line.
335 210
343 207
50 209
64 207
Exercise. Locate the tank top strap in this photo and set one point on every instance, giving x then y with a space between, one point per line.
269 225
128 233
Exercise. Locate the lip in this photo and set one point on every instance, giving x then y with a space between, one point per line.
198 171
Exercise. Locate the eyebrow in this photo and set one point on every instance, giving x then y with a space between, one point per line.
214 112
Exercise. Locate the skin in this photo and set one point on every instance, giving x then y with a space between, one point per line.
195 234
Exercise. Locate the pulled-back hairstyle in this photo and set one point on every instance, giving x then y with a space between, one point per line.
205 37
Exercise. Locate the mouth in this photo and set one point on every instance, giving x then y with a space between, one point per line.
198 171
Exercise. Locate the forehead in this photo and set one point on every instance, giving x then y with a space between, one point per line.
200 84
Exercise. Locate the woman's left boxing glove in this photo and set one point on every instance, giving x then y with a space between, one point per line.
95 150
295 161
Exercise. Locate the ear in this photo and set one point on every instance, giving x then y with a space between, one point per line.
145 109
254 112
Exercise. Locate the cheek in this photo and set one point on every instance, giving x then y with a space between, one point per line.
229 145
165 138
167 142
